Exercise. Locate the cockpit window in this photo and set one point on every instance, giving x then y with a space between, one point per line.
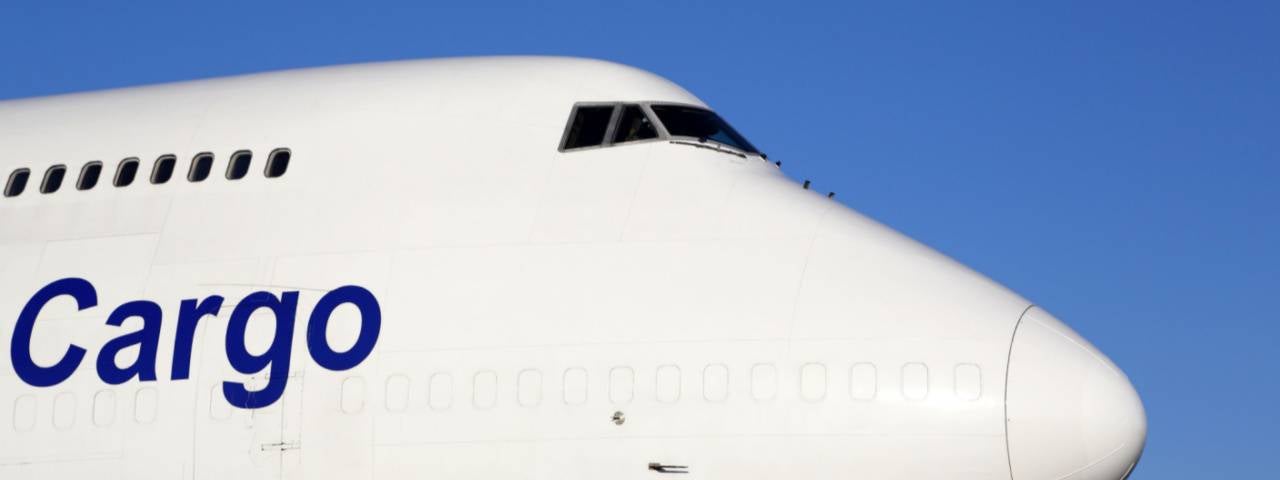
606 124
589 126
634 125
683 121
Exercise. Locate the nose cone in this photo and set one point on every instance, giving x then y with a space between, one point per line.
1071 414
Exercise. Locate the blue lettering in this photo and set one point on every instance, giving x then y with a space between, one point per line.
189 315
20 345
276 357
370 326
273 364
147 339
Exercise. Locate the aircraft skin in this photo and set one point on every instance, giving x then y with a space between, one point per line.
436 289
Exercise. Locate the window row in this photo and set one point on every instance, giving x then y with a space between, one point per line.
64 409
162 170
814 382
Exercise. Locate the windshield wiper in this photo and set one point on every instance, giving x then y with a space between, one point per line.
710 144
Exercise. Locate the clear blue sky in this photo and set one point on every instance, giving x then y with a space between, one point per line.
1118 164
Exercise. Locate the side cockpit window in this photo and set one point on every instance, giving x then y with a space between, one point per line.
588 126
633 125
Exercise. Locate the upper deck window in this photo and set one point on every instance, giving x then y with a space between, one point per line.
239 165
126 172
633 125
201 165
163 169
17 182
685 121
278 162
588 126
53 179
89 176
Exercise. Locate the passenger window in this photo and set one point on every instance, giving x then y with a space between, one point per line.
104 408
440 391
588 126
163 169
915 381
862 381
89 176
622 385
634 125
64 410
575 386
126 172
715 383
397 394
968 381
219 409
239 166
145 405
764 381
529 388
353 393
813 382
17 182
201 165
24 413
667 383
484 389
53 178
278 162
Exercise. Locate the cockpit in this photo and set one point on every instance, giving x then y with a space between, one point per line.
595 125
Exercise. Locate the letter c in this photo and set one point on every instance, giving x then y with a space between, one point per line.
20 346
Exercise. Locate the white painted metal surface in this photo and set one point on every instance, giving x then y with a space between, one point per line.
745 327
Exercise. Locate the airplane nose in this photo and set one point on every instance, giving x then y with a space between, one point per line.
1070 413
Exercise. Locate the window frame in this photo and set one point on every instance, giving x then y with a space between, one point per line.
231 164
115 179
8 184
48 173
195 159
608 130
616 117
621 110
155 168
698 141
85 171
271 160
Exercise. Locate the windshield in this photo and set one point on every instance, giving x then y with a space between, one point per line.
633 125
682 121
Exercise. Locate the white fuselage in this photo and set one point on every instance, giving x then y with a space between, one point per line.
542 313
